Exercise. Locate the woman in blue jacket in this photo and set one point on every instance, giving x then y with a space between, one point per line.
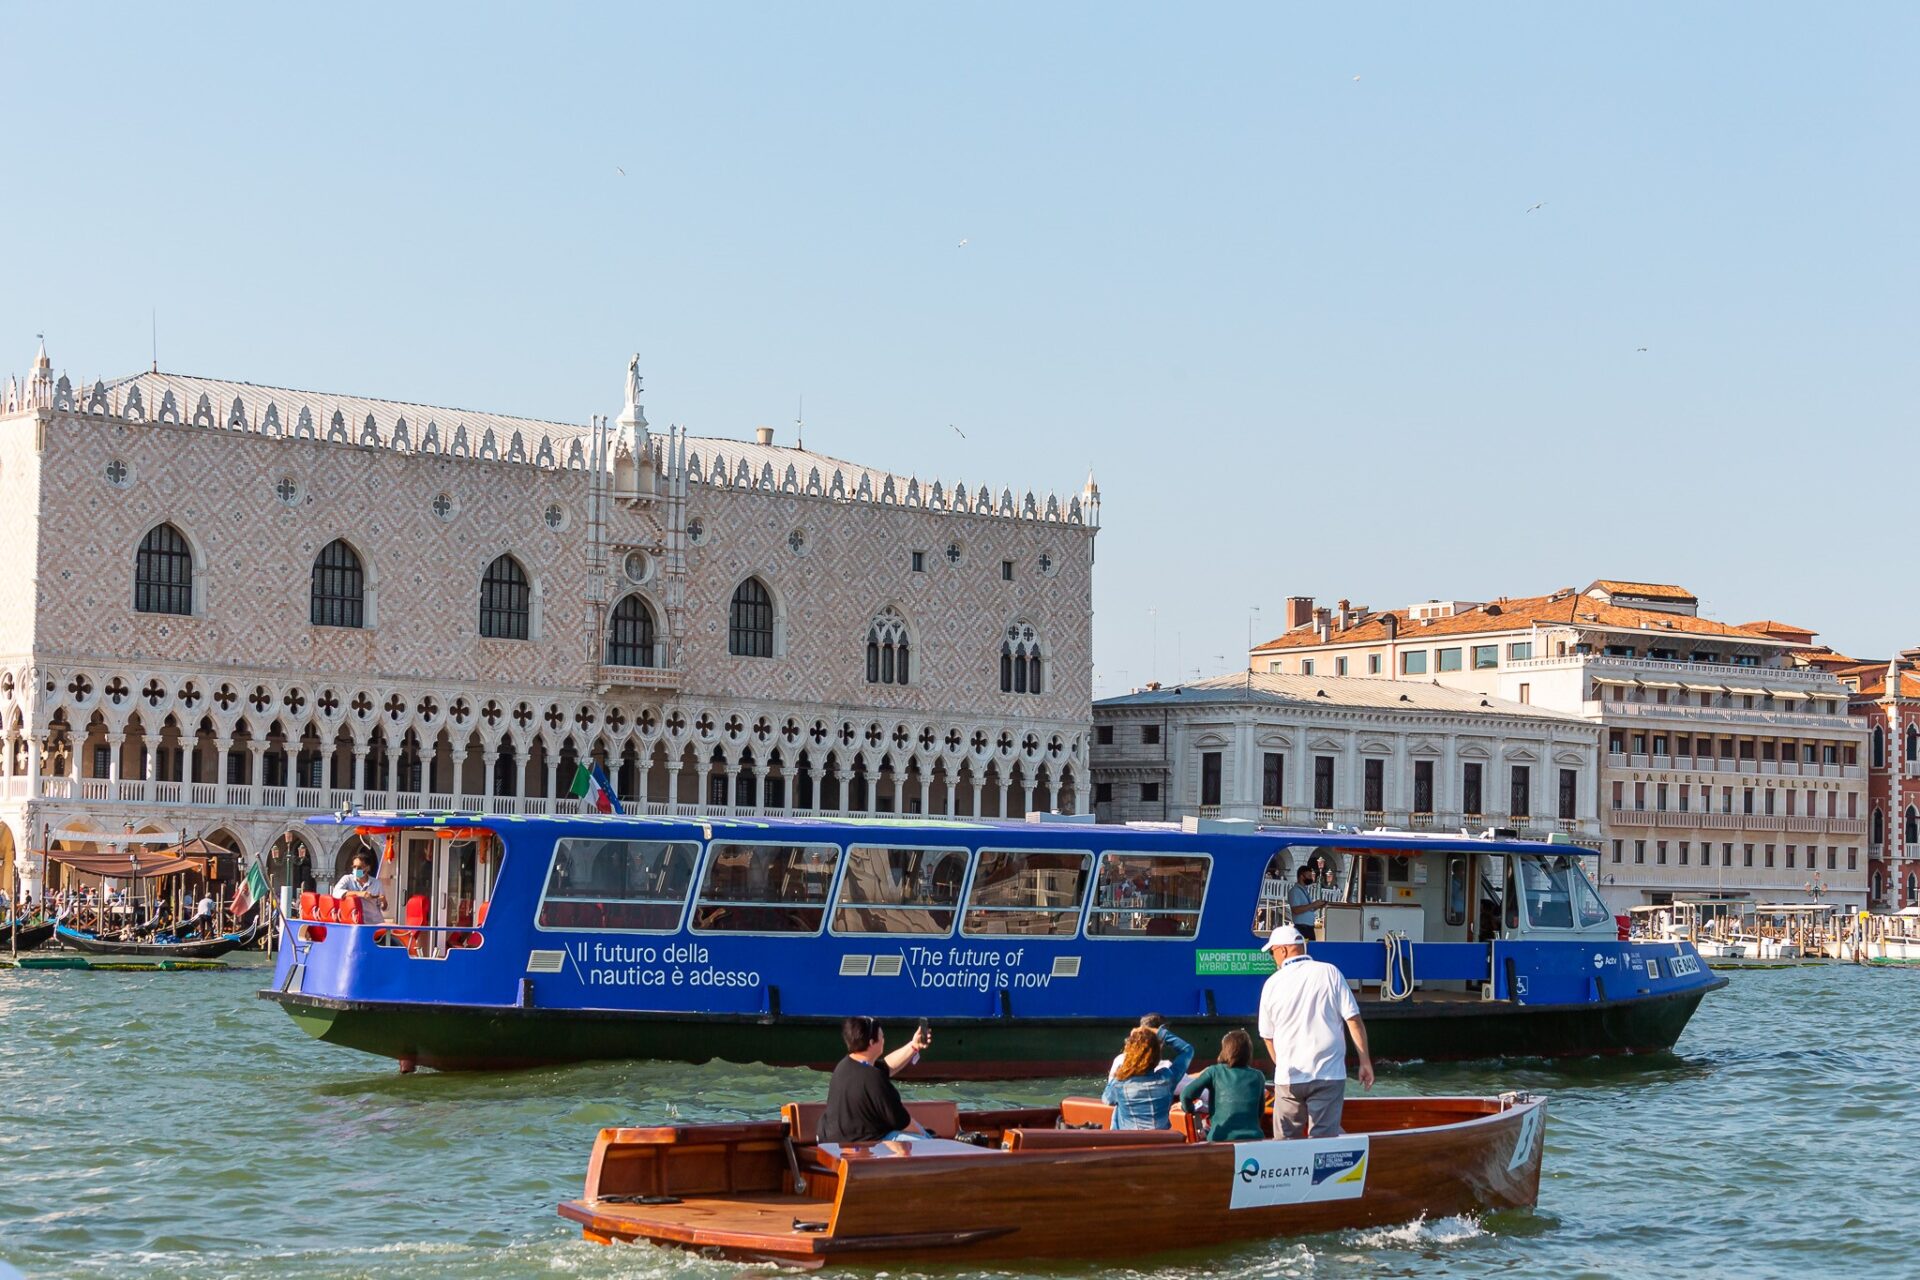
1144 1077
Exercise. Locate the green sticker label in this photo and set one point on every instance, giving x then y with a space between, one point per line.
1232 962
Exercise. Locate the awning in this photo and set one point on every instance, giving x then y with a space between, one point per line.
1790 694
1704 688
1755 693
159 862
1658 684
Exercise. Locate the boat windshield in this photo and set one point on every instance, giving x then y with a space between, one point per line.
1557 893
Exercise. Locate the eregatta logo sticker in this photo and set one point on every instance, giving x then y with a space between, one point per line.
1304 1171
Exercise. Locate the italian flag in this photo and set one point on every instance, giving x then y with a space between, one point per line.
590 784
253 888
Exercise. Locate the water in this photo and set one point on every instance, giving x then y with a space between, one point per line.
156 1125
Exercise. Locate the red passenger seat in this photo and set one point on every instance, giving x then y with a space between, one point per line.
310 910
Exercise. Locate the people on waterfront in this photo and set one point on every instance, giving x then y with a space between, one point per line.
1306 1013
862 1103
1236 1092
1303 902
1141 1084
363 884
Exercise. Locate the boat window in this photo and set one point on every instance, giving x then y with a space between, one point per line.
1277 881
1148 896
766 888
1586 900
1028 893
627 885
911 891
1456 891
1544 884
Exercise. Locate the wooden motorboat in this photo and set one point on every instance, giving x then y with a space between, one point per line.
1016 1183
190 949
25 935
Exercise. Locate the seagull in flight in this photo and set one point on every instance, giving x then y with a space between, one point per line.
962 244
957 431
1639 348
622 172
1541 205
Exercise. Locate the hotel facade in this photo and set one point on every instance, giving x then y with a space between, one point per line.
1725 766
1310 750
229 606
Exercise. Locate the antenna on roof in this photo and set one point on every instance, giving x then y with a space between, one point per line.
154 318
800 424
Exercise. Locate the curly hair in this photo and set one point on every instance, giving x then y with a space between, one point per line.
1140 1056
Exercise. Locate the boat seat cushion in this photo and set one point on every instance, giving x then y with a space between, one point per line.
1085 1111
941 1119
1065 1139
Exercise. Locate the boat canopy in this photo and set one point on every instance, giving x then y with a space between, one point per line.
160 862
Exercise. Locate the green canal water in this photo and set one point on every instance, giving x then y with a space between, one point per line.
160 1125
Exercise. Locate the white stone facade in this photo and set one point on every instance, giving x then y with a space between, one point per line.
243 714
1308 751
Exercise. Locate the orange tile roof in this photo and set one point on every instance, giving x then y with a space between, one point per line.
1569 609
1646 590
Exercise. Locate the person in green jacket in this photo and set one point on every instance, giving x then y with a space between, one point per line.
1239 1092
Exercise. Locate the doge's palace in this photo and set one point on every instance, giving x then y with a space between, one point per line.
228 606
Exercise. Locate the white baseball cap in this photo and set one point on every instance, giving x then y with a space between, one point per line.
1286 936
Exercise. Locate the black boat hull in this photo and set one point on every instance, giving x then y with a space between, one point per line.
30 937
206 949
467 1038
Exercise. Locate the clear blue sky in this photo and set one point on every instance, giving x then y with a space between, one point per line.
1269 270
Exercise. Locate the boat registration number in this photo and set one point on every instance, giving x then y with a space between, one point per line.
1304 1171
1681 966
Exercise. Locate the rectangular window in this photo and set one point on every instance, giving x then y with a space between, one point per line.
905 891
1619 794
1103 793
1373 664
1616 743
1306 666
1769 855
1339 666
1103 735
1792 852
1569 796
102 761
1520 651
1660 852
1033 894
1323 782
1149 793
1470 800
1273 779
1485 655
1376 785
1526 692
1660 797
919 562
1522 803
1141 896
1447 659
1616 850
1006 571
1413 663
627 886
1639 795
1685 852
1749 855
1150 735
1423 786
1210 777
1853 859
1639 850
765 888
237 768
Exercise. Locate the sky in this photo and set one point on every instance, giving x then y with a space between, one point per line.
1389 302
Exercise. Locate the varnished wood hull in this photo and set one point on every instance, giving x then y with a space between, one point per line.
1467 1156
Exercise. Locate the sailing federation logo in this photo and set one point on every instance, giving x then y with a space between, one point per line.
1298 1172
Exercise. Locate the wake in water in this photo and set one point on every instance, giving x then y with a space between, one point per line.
1418 1234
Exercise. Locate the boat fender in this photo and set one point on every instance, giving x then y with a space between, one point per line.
1006 1004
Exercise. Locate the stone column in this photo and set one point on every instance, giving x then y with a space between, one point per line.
457 760
553 772
33 764
839 790
979 788
359 773
257 749
116 743
926 790
733 786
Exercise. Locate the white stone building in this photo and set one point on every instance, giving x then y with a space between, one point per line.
1310 750
1728 768
229 605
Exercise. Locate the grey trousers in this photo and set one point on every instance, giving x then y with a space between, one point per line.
1309 1108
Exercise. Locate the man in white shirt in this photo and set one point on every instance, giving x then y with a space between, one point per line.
363 884
1302 1009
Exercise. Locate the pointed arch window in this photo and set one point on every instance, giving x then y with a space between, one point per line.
1912 832
339 587
506 600
1913 744
750 621
1879 747
630 634
1020 660
1879 828
163 572
887 649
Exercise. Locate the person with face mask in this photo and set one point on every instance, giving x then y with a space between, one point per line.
363 884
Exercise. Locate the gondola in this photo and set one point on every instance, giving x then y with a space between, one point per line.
24 935
194 949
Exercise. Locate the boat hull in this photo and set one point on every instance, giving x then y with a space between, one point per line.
467 1038
878 1206
202 950
25 937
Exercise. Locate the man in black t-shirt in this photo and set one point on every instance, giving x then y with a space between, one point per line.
862 1104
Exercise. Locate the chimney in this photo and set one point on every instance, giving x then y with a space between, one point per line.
1391 621
1323 622
763 434
1299 611
1340 614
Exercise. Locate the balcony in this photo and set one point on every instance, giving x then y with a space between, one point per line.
1801 679
1729 767
1532 828
607 677
1684 820
1732 716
